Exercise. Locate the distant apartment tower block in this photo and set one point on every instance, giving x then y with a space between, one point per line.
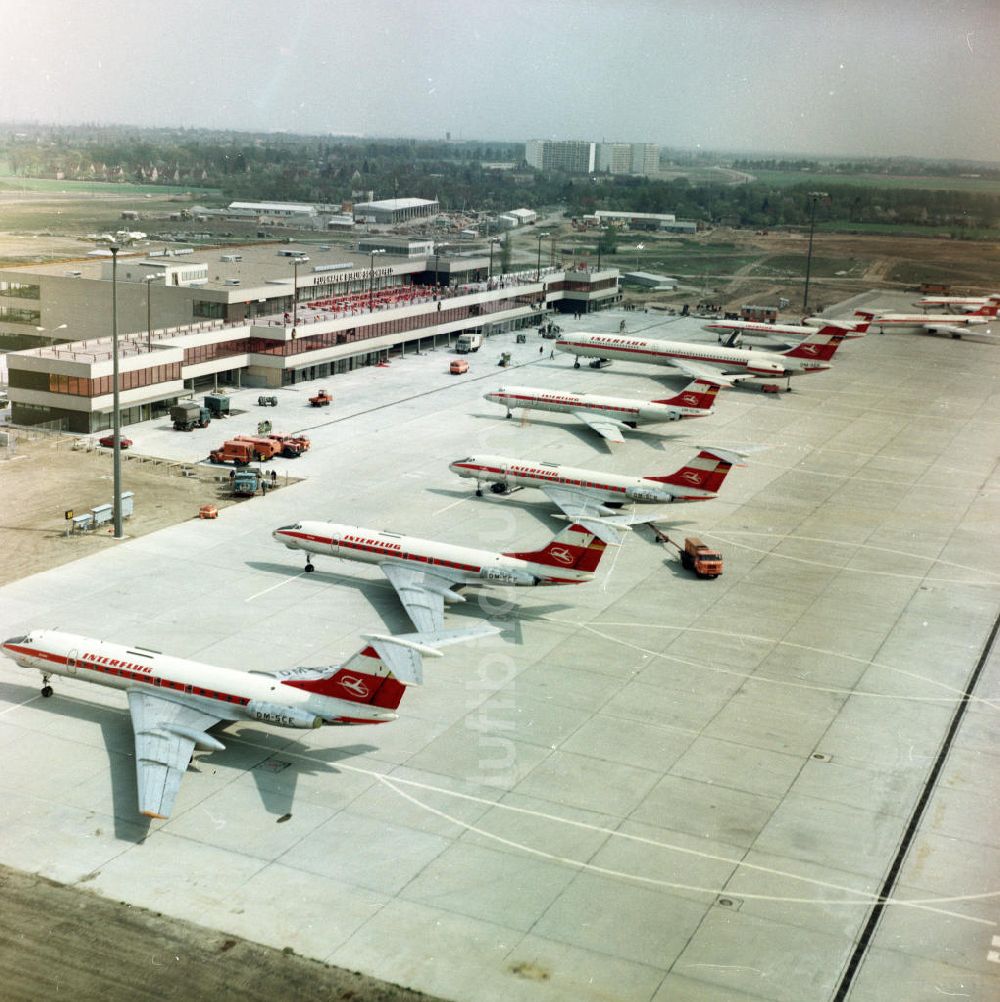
577 157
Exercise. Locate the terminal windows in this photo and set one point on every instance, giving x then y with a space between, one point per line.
16 315
20 290
208 309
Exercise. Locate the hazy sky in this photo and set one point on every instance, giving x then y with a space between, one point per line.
869 77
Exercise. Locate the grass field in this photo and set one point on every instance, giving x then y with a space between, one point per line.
785 179
9 182
905 230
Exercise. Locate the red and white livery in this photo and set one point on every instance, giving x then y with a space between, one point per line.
424 572
732 332
931 323
173 702
589 493
707 361
608 416
958 304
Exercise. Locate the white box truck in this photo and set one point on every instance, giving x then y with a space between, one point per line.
468 342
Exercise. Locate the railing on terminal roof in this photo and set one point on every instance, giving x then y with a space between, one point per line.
334 308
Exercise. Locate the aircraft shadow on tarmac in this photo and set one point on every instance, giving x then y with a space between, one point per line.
273 760
540 508
651 439
481 603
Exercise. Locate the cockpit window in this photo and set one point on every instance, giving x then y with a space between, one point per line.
290 528
18 640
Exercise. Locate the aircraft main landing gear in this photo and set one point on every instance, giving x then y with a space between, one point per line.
576 363
46 688
509 415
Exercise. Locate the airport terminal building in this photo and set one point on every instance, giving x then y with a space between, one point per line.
260 317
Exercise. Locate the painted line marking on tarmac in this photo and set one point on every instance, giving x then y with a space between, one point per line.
280 584
448 507
781 537
863 899
951 690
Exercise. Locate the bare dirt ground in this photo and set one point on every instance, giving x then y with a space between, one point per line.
46 477
66 942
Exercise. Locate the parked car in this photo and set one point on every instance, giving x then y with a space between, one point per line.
109 441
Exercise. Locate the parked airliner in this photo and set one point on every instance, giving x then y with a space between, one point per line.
609 416
173 702
707 361
424 572
588 493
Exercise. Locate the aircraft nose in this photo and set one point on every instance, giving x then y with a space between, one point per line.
14 641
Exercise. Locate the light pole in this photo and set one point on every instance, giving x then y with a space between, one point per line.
814 197
538 260
49 330
116 423
149 279
296 261
493 240
371 278
638 248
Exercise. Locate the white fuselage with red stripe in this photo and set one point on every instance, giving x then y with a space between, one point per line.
927 321
635 349
221 692
960 304
600 486
627 411
777 331
461 564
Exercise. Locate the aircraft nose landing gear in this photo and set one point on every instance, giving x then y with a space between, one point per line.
46 688
309 566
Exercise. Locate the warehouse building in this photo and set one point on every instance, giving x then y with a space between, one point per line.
393 211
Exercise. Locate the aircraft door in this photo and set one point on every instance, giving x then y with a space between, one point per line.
71 662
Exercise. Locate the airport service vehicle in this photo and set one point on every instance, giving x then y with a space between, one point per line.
609 416
217 404
266 401
732 332
264 446
958 304
173 702
424 572
245 483
707 361
697 557
109 441
458 367
240 453
188 415
322 399
468 342
292 446
588 493
956 326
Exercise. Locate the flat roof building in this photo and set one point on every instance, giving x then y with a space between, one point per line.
261 316
392 211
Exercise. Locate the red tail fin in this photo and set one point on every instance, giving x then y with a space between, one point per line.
987 310
705 472
819 347
574 548
699 394
363 678
867 315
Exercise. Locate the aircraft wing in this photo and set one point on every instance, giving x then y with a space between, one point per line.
166 733
706 372
608 427
575 503
952 329
423 595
